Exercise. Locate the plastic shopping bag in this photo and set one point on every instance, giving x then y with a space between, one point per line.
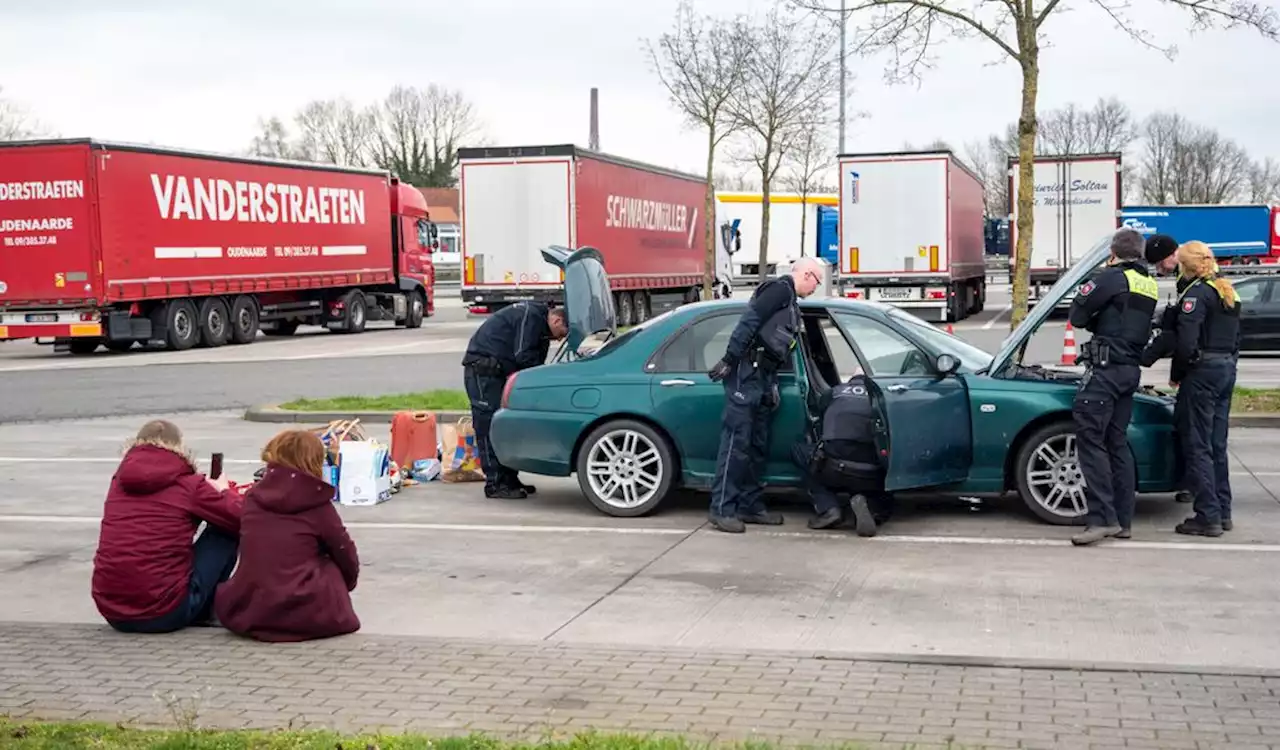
458 451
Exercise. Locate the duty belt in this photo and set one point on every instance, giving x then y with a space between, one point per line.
1217 355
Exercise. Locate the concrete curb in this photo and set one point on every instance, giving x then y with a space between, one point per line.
275 415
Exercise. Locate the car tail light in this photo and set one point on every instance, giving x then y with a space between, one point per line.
506 389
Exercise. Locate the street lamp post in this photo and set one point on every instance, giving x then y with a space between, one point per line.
843 66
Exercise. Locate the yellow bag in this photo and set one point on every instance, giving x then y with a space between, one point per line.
460 459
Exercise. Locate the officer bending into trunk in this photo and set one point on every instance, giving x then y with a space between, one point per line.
1117 307
514 338
759 346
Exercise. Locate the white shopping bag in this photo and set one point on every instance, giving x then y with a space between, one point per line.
364 473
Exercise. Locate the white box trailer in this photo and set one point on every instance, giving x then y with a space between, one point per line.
911 233
785 213
1077 202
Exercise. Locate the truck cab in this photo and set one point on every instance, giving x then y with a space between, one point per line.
415 238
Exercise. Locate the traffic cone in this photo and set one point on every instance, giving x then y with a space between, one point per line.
951 330
1069 346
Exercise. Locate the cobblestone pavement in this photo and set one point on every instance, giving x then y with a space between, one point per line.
370 682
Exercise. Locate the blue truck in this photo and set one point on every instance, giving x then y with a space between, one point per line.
828 235
1237 234
995 234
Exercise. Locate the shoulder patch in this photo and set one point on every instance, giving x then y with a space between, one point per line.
1088 286
1188 304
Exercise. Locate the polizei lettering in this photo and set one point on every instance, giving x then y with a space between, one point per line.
637 213
42 191
195 199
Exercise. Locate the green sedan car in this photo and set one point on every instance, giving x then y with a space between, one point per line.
636 416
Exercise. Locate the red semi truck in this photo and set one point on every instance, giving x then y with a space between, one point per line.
111 245
648 223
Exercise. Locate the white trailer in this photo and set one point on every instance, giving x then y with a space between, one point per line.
1077 201
911 233
785 213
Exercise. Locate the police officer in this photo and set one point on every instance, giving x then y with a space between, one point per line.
760 344
1117 307
514 338
841 456
1162 256
1206 344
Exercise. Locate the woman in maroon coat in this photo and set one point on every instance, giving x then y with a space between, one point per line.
297 563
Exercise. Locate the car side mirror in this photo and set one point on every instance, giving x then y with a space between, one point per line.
947 364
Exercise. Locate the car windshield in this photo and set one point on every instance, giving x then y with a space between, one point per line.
600 343
972 359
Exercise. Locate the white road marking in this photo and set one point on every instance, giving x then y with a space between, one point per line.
654 531
992 323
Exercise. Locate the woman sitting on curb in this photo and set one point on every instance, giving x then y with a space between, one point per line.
148 576
297 563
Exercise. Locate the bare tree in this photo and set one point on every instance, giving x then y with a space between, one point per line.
701 63
989 160
737 181
16 123
789 79
937 144
334 131
1184 163
1264 181
909 29
419 132
272 141
810 165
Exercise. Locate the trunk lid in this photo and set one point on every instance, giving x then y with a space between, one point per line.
588 301
46 227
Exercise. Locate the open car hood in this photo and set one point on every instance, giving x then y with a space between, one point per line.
1066 285
588 301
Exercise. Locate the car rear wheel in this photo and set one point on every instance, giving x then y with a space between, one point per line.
1049 477
625 468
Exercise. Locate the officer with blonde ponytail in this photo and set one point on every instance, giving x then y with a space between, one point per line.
1206 346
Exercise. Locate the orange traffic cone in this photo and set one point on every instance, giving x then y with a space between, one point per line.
1069 346
950 330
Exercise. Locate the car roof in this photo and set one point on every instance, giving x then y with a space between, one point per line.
840 303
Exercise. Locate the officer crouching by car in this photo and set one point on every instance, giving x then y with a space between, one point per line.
841 456
759 346
514 338
1117 307
1205 342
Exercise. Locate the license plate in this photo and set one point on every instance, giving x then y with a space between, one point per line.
42 318
897 293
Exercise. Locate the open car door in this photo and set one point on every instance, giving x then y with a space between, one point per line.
923 404
588 301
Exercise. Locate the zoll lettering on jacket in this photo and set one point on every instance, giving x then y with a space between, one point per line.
638 213
195 199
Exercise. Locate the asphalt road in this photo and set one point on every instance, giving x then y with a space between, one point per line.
39 385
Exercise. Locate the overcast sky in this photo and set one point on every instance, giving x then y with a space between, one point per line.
198 73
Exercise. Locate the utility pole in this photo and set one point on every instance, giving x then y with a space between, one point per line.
843 67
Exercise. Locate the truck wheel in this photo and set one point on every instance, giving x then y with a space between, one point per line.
641 307
182 332
417 310
244 320
83 346
215 323
357 312
281 328
982 295
626 310
954 298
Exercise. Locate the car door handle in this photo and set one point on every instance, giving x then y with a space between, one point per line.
899 388
676 381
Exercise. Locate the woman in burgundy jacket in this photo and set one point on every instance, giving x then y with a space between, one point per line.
148 576
297 563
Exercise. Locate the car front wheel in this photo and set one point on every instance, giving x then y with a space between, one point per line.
1049 477
625 468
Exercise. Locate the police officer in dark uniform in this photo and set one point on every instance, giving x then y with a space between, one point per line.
1117 307
841 456
1162 256
1205 340
759 346
514 338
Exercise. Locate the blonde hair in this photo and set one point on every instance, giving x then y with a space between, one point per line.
161 433
297 449
1197 262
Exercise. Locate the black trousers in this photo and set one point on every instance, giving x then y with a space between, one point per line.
485 394
1102 410
749 404
1202 430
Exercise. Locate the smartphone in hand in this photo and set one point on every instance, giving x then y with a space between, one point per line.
215 468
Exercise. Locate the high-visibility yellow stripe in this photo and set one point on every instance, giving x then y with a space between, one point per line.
817 200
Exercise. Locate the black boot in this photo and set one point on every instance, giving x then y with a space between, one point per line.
827 519
505 493
866 522
1198 527
763 518
727 525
